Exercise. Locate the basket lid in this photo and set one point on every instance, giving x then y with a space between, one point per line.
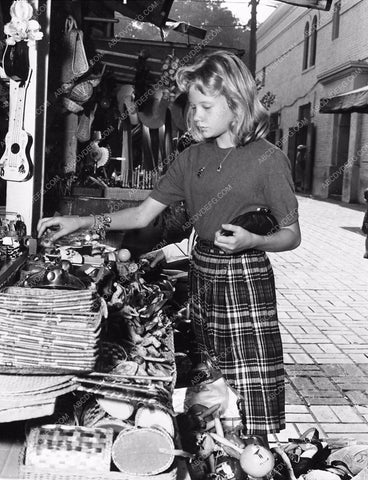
143 451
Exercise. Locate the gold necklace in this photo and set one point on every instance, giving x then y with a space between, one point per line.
219 168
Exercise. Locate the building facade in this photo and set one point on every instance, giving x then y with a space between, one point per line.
306 57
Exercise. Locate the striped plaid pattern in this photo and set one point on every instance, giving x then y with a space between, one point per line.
233 312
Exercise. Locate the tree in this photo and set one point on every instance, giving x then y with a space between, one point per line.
209 15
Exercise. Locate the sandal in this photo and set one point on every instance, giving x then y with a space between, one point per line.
307 452
340 469
337 471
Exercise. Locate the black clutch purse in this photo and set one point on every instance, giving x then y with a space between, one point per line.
260 222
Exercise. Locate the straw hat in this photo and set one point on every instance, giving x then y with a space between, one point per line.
81 92
153 110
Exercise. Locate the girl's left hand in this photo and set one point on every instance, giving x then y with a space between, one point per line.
240 239
287 238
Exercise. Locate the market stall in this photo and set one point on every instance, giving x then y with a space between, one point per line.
95 344
87 333
84 335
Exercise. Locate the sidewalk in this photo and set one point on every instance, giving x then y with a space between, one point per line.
323 308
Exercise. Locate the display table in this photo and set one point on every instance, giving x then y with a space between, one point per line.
87 411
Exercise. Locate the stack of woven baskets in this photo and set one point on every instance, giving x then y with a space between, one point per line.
48 331
46 337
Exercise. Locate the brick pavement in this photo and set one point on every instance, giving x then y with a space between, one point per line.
323 308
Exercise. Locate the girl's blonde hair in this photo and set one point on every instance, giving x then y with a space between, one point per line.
223 73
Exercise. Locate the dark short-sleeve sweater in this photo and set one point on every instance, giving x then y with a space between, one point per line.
255 175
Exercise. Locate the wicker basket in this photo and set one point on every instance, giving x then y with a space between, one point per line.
110 355
58 447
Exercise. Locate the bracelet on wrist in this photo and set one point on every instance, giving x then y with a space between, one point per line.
100 224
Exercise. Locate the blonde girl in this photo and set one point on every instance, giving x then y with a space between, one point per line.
232 170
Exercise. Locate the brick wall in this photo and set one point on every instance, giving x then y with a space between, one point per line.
280 46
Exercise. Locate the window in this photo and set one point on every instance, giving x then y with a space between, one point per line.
313 46
306 46
305 113
275 121
336 20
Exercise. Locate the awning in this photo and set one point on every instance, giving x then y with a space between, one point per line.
353 101
122 57
318 4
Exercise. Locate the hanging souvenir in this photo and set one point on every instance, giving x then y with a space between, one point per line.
169 69
22 26
74 62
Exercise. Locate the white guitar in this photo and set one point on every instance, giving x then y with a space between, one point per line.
15 164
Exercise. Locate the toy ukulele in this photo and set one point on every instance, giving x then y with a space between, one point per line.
15 164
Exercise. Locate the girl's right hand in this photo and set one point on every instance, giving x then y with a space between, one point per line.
64 225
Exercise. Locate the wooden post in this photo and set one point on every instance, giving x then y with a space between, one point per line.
70 143
253 38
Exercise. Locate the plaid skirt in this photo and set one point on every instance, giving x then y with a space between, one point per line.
233 313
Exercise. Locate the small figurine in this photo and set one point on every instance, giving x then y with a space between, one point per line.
20 227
